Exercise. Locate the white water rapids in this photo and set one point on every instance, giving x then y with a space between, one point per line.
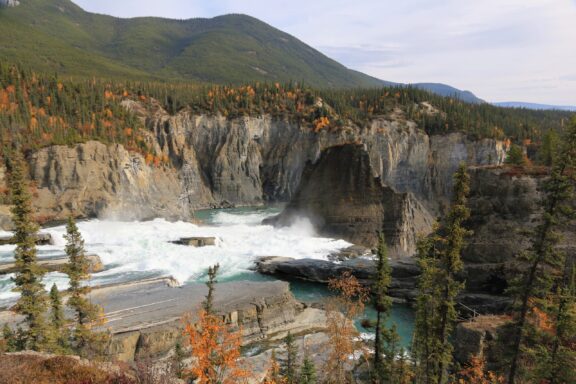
132 250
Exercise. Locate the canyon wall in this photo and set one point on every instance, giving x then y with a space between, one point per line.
214 161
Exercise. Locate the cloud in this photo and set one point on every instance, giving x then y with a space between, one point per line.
492 47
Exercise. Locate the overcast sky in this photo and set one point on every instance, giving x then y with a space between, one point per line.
502 50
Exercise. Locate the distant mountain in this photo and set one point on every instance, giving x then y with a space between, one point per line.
448 91
57 35
519 104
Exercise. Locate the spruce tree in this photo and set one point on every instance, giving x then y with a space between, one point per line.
57 319
383 307
515 155
78 271
450 265
9 337
391 367
208 304
32 303
56 312
560 366
289 366
440 262
307 371
427 304
532 288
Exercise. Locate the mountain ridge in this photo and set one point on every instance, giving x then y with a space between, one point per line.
75 42
535 106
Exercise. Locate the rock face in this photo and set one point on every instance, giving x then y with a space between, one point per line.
504 203
215 161
405 273
476 338
93 179
343 199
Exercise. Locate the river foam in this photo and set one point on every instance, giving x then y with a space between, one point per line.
132 250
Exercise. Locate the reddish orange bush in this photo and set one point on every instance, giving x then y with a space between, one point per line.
216 350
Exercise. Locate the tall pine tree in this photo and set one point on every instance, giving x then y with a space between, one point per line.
385 348
532 288
441 262
32 303
78 271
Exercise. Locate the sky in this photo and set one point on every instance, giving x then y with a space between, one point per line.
502 50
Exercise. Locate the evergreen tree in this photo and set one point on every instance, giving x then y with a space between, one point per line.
515 155
392 367
427 304
548 151
9 337
450 264
86 313
179 356
560 366
56 313
307 371
532 288
58 321
383 306
208 303
32 303
440 261
290 366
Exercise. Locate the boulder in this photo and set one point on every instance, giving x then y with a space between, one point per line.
40 238
196 241
473 338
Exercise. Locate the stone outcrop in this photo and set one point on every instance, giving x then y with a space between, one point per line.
196 241
343 199
476 338
145 318
504 203
148 326
94 179
56 264
40 239
215 161
405 273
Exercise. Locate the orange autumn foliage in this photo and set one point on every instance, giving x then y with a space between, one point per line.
149 158
475 373
321 123
542 320
215 350
342 334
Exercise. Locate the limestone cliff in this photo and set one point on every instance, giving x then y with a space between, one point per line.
217 161
343 198
93 179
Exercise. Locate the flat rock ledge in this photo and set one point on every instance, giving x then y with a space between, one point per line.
56 264
41 239
145 318
405 274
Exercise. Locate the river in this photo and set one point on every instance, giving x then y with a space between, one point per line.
136 250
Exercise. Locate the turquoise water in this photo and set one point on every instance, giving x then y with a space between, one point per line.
402 315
